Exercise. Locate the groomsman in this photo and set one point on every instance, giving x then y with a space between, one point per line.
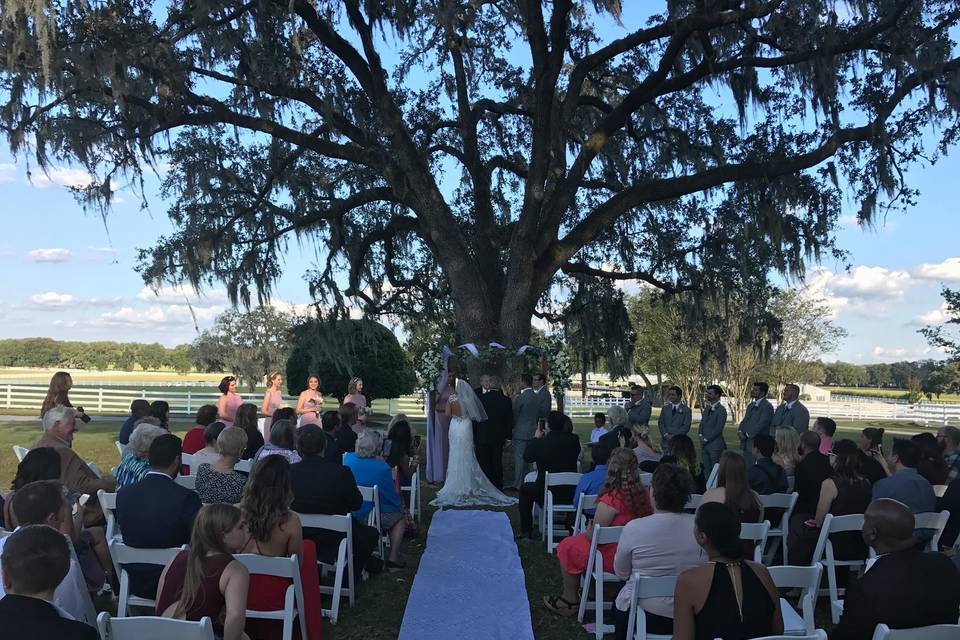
711 428
490 435
638 408
791 413
543 395
674 418
526 413
756 420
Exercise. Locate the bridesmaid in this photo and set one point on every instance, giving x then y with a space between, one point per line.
439 436
229 402
355 395
272 400
310 402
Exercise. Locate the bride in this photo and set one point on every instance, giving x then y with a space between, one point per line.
466 484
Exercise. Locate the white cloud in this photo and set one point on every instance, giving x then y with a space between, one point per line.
849 221
52 299
935 317
870 283
182 296
7 172
946 271
50 255
158 317
885 354
61 176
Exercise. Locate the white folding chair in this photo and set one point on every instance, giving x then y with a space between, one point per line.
20 452
121 448
595 572
246 466
819 634
108 504
823 553
189 482
933 632
293 604
372 494
585 503
757 532
787 502
646 478
931 521
807 579
414 491
344 562
647 587
96 470
694 502
550 507
194 460
939 490
123 555
153 628
714 476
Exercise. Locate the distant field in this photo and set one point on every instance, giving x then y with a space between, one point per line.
96 377
897 394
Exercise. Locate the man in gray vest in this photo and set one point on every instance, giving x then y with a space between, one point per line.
756 419
674 418
711 429
526 413
791 413
638 408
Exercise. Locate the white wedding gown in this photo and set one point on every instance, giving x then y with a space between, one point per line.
466 484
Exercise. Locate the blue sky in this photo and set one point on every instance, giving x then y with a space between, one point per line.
67 275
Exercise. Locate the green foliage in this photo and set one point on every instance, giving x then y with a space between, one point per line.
940 337
805 333
339 350
598 330
49 353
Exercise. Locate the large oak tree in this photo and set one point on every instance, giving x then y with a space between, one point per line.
479 150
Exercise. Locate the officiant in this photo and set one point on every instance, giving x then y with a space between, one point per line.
490 435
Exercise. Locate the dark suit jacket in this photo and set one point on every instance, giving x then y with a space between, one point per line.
155 513
346 439
767 477
499 423
809 475
903 589
331 450
323 487
24 617
951 502
557 451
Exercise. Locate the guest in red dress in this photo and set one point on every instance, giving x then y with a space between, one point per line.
193 440
275 531
622 499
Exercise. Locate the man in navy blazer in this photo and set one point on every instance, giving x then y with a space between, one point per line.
156 513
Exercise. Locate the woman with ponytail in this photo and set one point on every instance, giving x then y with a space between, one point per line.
205 580
729 597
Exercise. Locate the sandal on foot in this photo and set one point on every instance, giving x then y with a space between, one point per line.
558 605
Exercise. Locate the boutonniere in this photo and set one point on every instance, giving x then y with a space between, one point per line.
679 409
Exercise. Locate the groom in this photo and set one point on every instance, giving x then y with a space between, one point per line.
490 434
529 407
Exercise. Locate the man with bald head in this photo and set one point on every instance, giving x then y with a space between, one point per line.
905 588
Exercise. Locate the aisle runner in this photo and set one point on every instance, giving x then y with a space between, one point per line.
470 584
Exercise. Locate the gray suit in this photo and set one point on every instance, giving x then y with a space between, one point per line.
796 417
546 401
711 436
527 408
639 414
756 420
673 422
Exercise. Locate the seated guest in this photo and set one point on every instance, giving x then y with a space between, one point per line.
765 475
205 579
329 421
825 428
35 560
813 468
592 482
932 466
949 440
646 452
685 456
139 408
950 502
275 531
401 457
59 427
872 462
349 428
729 596
220 481
160 409
787 453
194 439
210 435
599 427
369 470
734 490
905 588
906 485
38 464
661 544
246 419
847 491
622 499
327 487
283 443
156 513
135 464
42 503
553 451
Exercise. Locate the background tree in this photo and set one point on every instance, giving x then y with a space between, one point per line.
805 332
479 149
941 337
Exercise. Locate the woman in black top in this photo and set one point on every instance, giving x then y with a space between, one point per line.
871 454
729 597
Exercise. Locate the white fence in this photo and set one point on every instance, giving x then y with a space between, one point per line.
106 400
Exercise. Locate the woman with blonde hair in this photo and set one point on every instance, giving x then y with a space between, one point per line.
787 454
135 463
623 498
219 481
310 402
58 395
272 400
355 395
206 580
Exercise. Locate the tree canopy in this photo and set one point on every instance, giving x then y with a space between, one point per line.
477 150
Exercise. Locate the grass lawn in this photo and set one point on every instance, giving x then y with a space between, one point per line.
378 613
